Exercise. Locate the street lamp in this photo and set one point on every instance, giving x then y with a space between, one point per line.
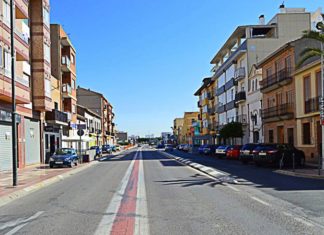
253 119
320 27
13 95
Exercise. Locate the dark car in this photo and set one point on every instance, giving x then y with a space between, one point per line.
98 150
106 148
278 155
64 157
221 151
160 146
201 148
233 152
168 148
210 149
246 153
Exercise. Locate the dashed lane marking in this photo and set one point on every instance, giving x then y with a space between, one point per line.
260 201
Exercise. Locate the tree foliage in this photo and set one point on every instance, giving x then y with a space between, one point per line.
232 130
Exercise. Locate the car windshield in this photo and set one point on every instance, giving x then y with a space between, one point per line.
64 151
94 147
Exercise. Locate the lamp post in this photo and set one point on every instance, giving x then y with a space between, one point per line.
13 96
320 27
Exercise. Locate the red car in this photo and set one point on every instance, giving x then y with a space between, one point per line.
233 152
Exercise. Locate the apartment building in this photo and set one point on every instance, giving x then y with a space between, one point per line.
97 103
177 127
248 45
33 79
254 105
63 55
308 86
207 107
189 130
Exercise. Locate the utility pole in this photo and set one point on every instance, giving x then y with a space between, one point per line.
13 95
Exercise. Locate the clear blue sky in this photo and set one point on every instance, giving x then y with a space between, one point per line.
149 56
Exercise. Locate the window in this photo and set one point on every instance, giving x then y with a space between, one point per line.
270 136
288 64
290 97
279 98
249 85
73 108
256 84
205 109
7 63
73 84
253 85
307 88
72 59
319 83
6 12
1 56
48 88
46 17
47 52
268 72
306 133
55 105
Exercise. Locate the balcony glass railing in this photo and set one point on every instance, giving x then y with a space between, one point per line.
66 88
66 61
22 35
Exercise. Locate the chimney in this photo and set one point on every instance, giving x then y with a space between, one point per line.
261 20
282 8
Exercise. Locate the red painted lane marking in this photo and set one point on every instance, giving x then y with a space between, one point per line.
124 222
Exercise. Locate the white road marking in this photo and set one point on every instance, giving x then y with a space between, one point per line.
233 188
303 221
141 220
108 219
19 223
260 201
287 214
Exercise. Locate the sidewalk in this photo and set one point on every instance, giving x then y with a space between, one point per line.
306 172
33 178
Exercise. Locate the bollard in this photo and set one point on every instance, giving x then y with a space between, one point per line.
293 155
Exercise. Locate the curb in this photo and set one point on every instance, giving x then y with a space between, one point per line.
299 174
204 169
35 187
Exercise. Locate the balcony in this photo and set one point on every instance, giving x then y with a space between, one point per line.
199 104
67 91
66 64
239 74
221 108
210 96
230 84
211 111
56 117
220 90
279 112
242 119
21 9
240 97
231 105
312 105
274 81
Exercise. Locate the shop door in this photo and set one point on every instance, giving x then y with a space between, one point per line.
5 147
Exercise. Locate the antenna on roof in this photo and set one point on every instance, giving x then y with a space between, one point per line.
282 5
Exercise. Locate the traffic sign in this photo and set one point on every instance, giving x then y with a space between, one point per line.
80 132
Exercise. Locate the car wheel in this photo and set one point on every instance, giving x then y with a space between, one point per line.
51 166
71 164
75 163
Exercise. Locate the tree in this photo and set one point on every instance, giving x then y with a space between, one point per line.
308 53
232 130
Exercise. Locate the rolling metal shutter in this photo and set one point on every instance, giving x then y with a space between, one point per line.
5 147
32 135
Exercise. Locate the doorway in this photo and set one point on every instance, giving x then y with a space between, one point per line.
280 135
290 134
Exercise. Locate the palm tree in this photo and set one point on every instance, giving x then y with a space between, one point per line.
308 53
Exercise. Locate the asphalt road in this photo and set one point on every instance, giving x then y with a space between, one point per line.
144 192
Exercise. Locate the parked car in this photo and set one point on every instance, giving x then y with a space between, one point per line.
233 152
186 147
278 155
246 153
201 148
180 146
210 149
106 148
64 157
168 148
160 146
220 152
98 150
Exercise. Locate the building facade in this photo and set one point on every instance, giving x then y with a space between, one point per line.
177 127
97 103
187 131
